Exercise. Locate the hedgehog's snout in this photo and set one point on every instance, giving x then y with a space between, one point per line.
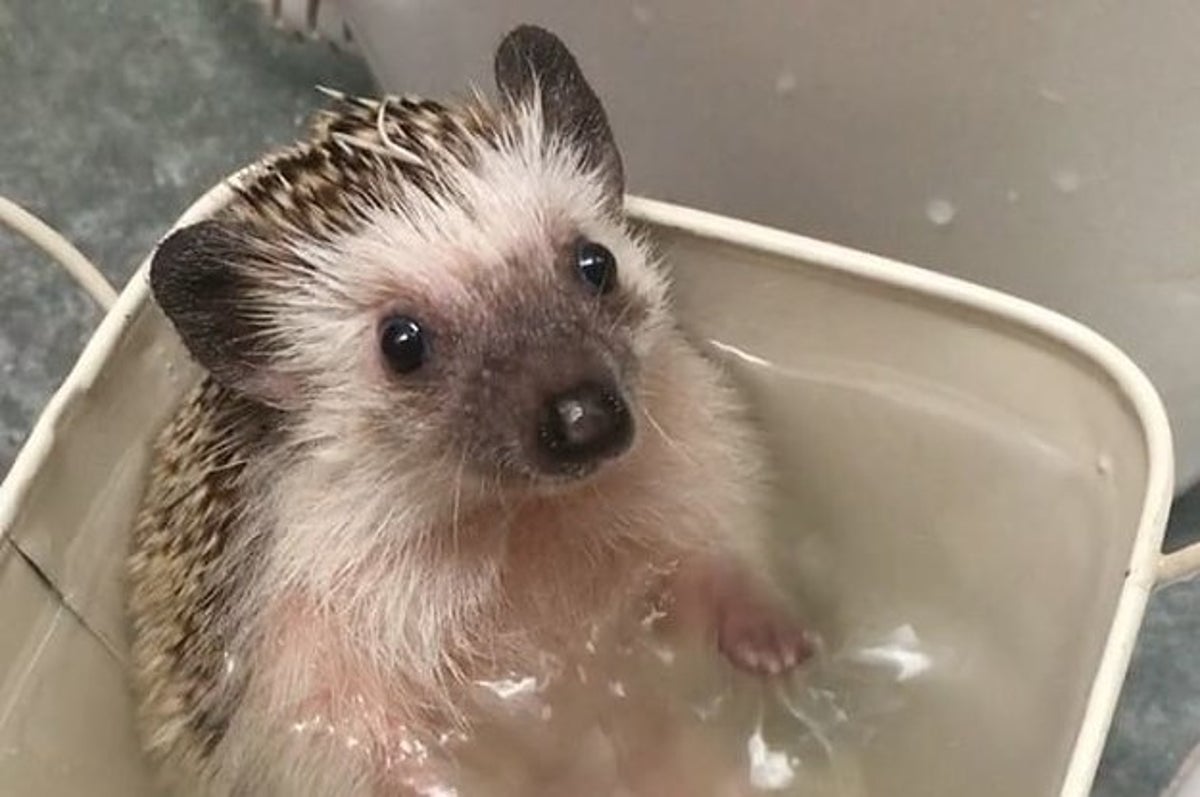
583 426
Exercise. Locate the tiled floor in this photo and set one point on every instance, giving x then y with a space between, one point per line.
117 113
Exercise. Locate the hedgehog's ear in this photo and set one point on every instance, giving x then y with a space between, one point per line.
197 276
532 62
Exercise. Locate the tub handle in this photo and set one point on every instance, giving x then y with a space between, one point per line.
60 250
1179 565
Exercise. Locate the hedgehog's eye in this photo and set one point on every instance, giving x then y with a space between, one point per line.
597 265
402 343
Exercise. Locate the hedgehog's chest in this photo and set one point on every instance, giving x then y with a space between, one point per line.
514 682
532 641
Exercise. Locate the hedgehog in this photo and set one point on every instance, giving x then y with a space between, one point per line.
448 427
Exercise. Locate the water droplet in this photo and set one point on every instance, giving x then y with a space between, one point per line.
616 688
664 655
1066 180
642 14
1013 196
785 82
452 737
1104 464
1050 95
940 211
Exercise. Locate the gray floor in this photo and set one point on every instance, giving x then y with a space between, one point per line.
117 113
1158 720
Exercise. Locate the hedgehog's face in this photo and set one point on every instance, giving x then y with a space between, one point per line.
514 345
496 323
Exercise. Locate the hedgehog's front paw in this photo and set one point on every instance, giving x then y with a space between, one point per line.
760 638
751 627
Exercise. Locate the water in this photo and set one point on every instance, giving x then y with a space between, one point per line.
685 724
944 547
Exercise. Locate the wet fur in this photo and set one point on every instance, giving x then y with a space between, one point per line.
329 553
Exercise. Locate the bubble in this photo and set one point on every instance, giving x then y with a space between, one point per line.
940 212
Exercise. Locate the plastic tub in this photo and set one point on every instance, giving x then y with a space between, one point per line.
990 474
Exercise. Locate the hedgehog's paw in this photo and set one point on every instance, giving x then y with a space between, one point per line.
760 638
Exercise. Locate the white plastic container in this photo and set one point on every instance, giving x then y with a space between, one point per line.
992 474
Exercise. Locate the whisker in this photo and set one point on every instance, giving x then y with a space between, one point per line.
662 433
457 496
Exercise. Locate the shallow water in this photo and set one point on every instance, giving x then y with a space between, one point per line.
928 530
653 718
922 531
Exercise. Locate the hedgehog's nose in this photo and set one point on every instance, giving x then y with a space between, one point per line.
585 424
